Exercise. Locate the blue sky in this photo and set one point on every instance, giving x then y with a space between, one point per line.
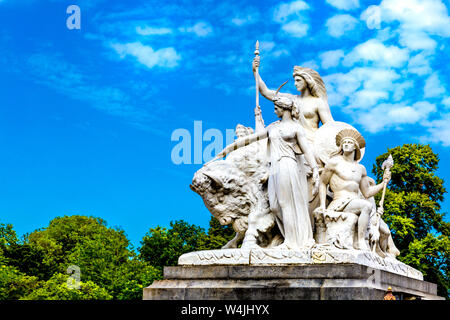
87 115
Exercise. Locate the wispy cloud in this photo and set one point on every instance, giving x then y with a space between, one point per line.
245 19
288 11
54 72
200 29
344 4
438 131
341 24
332 58
433 87
292 18
295 29
374 51
150 31
146 55
380 86
395 115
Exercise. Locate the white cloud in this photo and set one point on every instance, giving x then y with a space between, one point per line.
372 16
266 45
285 11
310 64
340 24
424 15
292 18
201 29
295 29
366 98
446 102
68 79
417 40
149 31
331 58
400 88
376 52
241 20
439 131
387 115
164 58
418 19
433 87
420 64
279 53
344 4
361 87
271 50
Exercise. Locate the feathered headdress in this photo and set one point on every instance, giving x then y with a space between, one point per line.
355 136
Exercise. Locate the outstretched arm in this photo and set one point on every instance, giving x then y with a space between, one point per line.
367 190
242 142
265 91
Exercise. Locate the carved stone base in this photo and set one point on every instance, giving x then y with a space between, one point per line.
318 254
290 282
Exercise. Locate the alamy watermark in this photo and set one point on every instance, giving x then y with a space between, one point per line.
197 147
74 20
374 278
74 280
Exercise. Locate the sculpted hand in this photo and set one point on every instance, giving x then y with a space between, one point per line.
258 111
387 176
380 211
316 180
319 210
255 63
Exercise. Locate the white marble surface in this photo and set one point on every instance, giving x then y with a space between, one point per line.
318 254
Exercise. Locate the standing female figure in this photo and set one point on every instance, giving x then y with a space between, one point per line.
312 103
287 184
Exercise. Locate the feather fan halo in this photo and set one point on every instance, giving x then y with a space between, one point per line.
350 134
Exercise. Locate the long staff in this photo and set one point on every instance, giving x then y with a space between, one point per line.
387 165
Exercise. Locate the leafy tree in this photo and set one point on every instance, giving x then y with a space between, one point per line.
83 241
56 288
104 256
411 209
15 284
132 277
218 235
162 247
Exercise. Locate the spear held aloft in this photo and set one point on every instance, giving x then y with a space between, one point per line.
386 166
259 122
257 74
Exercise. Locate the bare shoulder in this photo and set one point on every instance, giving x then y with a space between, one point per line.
332 162
362 169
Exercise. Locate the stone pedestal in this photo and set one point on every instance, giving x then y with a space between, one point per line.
288 282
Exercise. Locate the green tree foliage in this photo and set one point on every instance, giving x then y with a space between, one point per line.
15 284
103 254
56 288
412 210
218 235
162 247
